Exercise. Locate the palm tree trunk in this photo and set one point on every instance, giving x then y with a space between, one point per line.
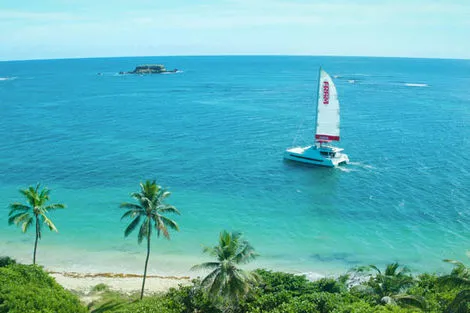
36 241
146 262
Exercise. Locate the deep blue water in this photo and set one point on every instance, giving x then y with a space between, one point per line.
215 133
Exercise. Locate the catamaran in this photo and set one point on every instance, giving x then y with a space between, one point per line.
322 152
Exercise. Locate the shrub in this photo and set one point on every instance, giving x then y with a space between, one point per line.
6 260
27 288
150 304
100 287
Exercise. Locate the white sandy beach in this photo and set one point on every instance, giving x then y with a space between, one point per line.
126 283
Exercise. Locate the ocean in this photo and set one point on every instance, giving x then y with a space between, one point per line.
214 134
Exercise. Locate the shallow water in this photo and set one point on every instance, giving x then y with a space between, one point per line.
214 134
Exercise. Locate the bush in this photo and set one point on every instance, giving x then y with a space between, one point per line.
6 260
278 281
158 304
27 288
100 287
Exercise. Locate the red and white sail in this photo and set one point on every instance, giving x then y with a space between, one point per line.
327 121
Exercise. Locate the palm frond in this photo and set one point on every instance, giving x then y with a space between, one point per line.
145 230
246 255
204 266
217 284
14 207
207 281
132 213
130 206
130 228
212 251
160 226
18 218
49 223
163 195
375 268
169 223
165 208
454 280
412 300
26 224
55 206
460 302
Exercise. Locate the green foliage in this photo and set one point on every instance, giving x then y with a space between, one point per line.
459 278
151 304
193 298
6 260
149 214
461 303
330 285
390 286
27 288
226 280
35 212
185 299
279 281
151 209
100 287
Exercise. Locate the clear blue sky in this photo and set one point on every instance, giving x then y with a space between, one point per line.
38 29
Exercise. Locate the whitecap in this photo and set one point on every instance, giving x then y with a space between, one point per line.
359 164
7 78
416 85
345 169
312 276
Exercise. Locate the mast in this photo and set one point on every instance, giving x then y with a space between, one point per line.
316 101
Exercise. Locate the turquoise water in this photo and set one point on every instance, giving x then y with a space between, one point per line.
214 134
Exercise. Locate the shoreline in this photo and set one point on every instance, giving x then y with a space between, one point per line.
84 283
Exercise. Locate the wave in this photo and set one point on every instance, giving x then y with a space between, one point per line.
7 78
345 169
359 164
168 73
353 75
312 276
416 85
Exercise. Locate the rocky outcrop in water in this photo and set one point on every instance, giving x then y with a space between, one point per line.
150 69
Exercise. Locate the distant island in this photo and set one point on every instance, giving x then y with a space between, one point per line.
150 69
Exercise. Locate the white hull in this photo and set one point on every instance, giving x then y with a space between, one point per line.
328 156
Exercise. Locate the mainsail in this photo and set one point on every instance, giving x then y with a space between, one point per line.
327 120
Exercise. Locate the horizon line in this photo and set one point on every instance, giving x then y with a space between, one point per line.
234 55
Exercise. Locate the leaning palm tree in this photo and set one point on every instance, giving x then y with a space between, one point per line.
34 211
226 280
389 286
149 214
459 276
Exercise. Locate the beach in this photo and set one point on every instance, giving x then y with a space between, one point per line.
83 283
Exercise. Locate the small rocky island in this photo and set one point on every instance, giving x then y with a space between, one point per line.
150 69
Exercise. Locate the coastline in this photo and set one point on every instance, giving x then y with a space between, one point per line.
125 283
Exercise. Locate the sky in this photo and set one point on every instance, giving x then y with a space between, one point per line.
50 29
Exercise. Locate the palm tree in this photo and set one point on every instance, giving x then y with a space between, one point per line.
460 276
226 279
35 211
149 214
390 286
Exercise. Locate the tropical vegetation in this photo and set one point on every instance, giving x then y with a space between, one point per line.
149 215
226 287
226 282
27 288
35 211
